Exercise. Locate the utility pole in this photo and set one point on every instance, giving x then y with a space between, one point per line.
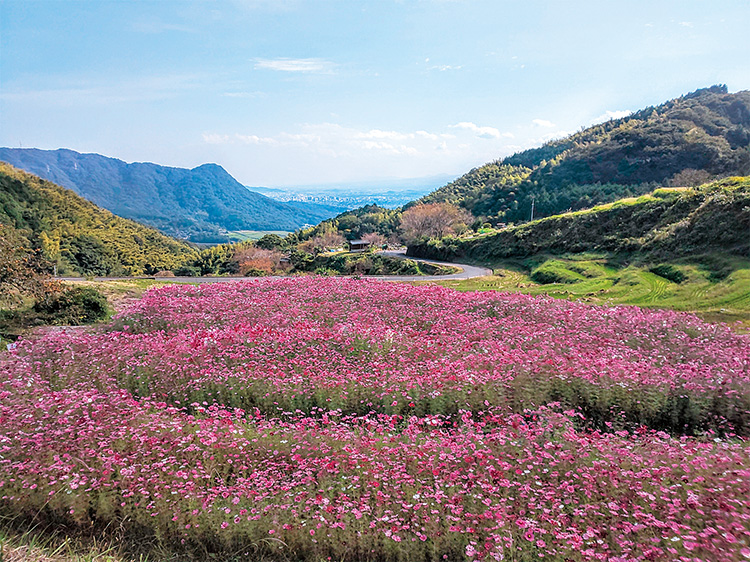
532 209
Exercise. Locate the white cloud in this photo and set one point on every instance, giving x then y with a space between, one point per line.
543 123
444 67
214 138
333 139
255 139
330 146
295 65
607 115
481 132
244 94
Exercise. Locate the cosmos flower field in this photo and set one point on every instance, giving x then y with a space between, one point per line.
340 419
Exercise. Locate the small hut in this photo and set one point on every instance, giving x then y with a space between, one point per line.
359 245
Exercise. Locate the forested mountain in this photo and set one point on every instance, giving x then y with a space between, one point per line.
668 223
196 204
77 235
685 141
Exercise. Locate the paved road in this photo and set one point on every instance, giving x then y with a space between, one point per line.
467 272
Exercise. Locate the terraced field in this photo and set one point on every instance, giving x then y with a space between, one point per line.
717 288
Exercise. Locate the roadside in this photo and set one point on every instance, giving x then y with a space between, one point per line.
467 272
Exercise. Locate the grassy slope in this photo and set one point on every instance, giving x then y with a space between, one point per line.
598 279
603 255
666 223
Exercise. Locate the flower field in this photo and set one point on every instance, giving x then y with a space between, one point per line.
319 418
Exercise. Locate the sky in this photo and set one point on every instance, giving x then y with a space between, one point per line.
292 92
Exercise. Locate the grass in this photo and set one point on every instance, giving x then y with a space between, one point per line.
122 292
715 287
43 544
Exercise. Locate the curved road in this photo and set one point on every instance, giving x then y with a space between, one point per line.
467 272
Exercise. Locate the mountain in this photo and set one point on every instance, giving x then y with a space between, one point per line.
666 224
685 141
77 235
197 204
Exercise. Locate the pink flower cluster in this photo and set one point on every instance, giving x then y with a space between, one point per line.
296 344
334 452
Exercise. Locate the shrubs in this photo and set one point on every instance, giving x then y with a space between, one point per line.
669 272
187 271
73 307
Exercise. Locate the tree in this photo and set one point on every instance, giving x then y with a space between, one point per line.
376 240
23 272
257 260
690 178
270 242
433 220
328 239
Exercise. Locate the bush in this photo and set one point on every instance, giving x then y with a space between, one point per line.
73 307
255 272
187 271
668 272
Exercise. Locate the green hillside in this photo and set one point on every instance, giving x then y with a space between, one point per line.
667 223
685 141
78 236
680 248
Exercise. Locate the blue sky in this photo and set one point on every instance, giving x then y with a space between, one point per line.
285 92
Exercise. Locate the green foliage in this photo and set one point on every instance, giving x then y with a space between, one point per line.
271 242
553 271
698 136
24 273
364 263
187 271
218 260
79 237
75 306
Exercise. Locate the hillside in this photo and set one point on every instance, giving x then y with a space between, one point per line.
666 223
197 204
685 141
77 235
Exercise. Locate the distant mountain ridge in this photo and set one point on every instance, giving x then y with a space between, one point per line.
196 204
688 140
